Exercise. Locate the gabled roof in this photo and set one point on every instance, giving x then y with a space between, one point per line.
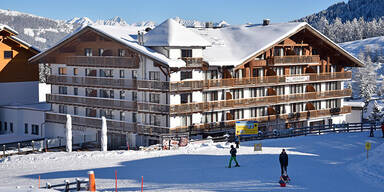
125 35
172 34
235 45
9 29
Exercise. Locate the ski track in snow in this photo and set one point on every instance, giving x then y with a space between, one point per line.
330 162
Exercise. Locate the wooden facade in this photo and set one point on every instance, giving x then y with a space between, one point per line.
14 55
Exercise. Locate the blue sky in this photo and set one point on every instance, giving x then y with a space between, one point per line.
232 11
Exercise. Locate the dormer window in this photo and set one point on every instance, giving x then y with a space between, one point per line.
186 53
121 52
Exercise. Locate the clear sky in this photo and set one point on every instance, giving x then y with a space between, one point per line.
232 11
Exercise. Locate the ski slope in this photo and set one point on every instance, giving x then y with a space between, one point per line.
331 162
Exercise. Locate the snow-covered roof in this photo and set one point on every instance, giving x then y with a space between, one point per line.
6 27
234 44
126 35
43 106
171 33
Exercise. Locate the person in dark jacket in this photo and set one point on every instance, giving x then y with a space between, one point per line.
233 157
283 158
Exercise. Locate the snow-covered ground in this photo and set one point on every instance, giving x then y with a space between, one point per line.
332 162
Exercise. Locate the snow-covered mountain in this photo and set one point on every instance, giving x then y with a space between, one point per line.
367 9
43 32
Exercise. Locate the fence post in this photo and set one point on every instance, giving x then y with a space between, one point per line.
66 182
362 124
4 150
33 146
347 127
46 145
48 185
18 148
78 184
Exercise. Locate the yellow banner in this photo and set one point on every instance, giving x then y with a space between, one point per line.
247 128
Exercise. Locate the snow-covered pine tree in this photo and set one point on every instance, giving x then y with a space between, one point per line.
376 114
366 79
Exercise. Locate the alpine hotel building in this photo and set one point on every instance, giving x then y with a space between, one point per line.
198 80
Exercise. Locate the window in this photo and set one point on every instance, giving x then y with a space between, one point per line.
62 71
63 109
121 73
75 111
212 74
106 113
26 128
35 129
91 72
5 126
122 116
121 52
134 74
106 73
1 127
186 75
76 91
122 94
101 51
296 70
63 90
154 75
106 93
8 54
134 117
88 52
154 98
90 112
75 71
134 96
154 120
185 98
11 127
186 53
90 92
315 52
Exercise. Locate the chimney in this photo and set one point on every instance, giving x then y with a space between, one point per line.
140 38
266 22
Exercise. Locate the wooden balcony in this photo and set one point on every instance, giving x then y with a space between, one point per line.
152 85
293 59
228 125
153 108
193 62
92 102
258 81
257 101
258 63
92 82
103 61
112 125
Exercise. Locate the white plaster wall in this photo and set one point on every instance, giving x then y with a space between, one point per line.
20 116
174 53
354 117
197 52
19 93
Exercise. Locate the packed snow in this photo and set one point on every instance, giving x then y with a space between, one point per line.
330 162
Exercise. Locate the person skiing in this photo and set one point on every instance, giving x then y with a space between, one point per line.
233 157
283 158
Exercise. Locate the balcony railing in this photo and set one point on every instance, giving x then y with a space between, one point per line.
153 85
256 101
153 108
193 61
294 59
258 81
112 125
103 61
92 102
92 82
227 125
